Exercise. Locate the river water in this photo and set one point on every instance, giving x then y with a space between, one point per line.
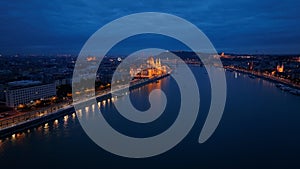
259 129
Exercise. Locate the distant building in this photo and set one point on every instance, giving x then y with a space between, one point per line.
250 66
2 93
153 68
22 92
223 55
280 68
66 81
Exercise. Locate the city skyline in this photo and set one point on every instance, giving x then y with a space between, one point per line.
149 84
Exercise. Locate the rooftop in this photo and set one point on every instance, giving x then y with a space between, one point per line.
24 83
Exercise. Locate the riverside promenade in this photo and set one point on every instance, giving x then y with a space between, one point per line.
26 120
266 77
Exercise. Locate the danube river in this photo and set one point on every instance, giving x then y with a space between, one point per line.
259 129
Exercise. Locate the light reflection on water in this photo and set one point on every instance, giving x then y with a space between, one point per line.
55 124
73 116
93 108
254 106
55 127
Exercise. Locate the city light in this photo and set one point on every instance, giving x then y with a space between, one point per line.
56 122
55 69
46 126
66 118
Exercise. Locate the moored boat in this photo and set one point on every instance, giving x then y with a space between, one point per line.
295 92
252 76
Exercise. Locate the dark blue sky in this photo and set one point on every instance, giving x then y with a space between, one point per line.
63 26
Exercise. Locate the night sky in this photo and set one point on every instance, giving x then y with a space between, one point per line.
63 26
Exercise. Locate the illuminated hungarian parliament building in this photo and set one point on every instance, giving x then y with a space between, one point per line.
152 69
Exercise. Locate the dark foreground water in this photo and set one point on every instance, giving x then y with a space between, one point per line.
260 128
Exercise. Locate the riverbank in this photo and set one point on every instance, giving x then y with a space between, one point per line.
26 122
8 131
266 77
